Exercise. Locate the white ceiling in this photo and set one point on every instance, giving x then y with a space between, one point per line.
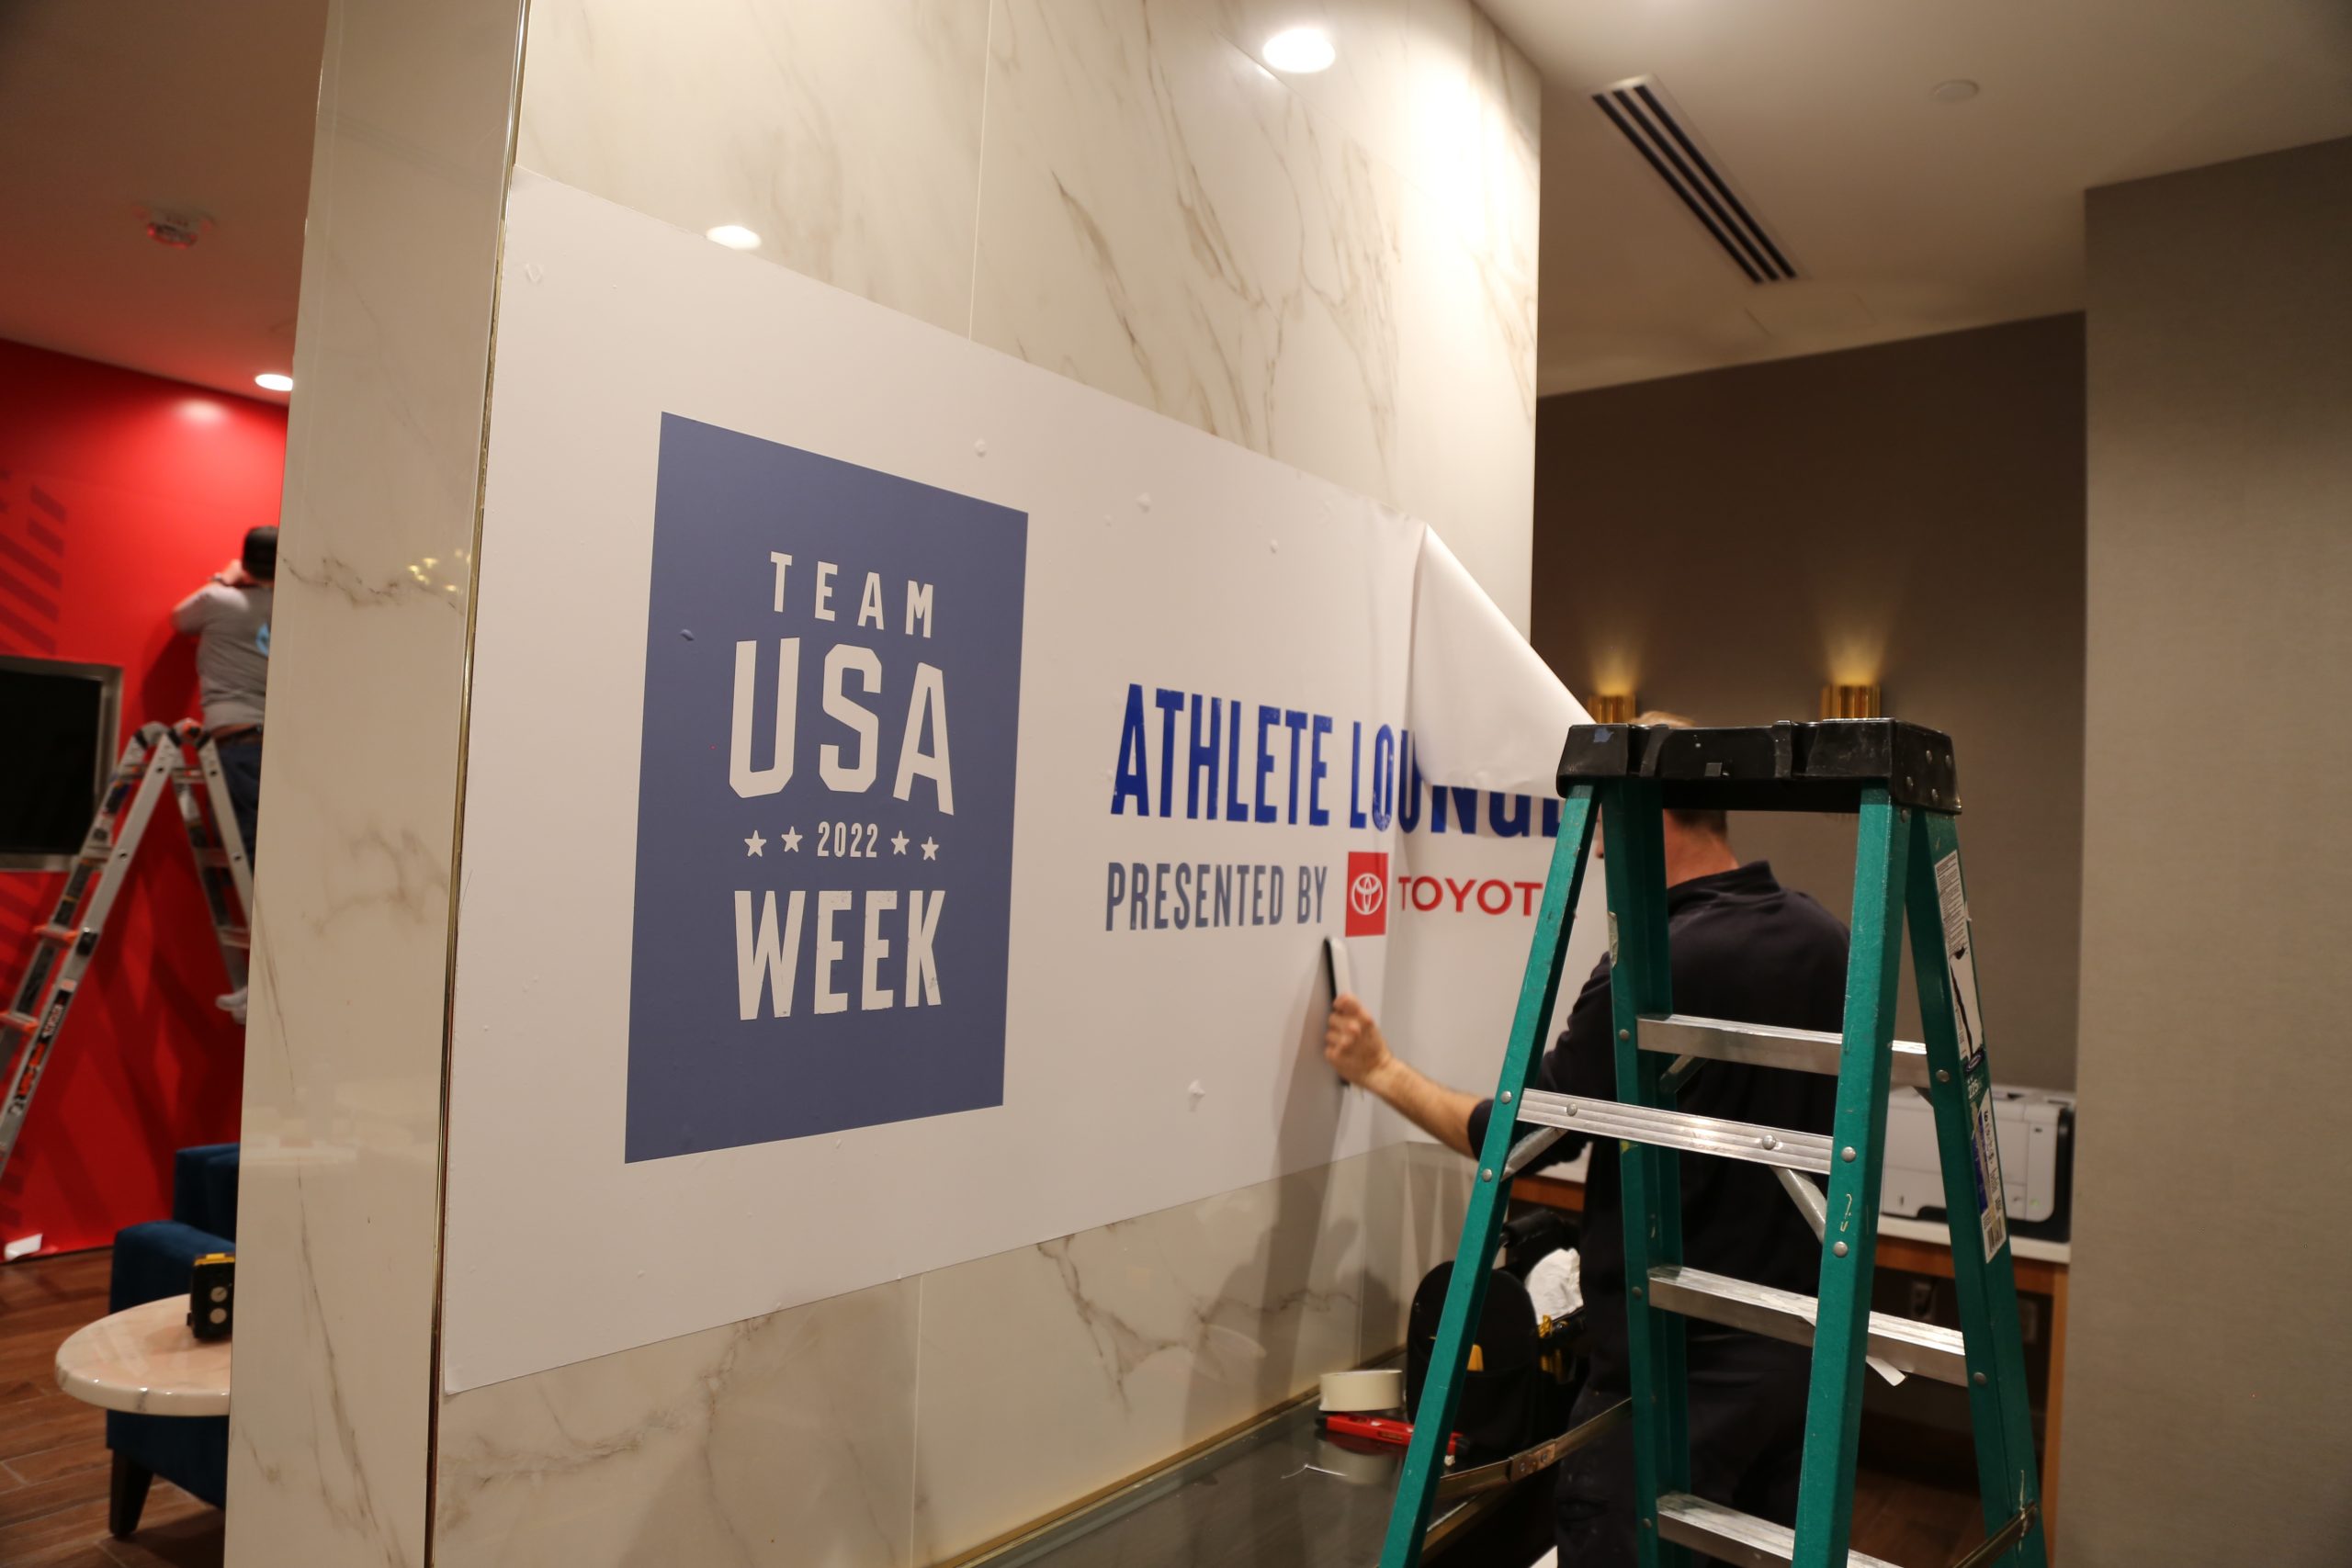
1904 216
107 106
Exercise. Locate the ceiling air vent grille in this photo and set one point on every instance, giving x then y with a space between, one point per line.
1642 113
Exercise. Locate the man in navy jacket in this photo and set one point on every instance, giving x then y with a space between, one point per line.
1743 949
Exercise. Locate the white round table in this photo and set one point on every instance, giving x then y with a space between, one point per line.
144 1360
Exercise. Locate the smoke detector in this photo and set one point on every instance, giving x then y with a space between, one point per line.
178 228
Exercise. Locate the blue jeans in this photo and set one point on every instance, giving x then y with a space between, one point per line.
240 770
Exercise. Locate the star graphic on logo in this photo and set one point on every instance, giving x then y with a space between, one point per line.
930 850
755 844
791 840
897 843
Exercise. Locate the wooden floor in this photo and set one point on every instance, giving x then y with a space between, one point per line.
1912 1524
53 1461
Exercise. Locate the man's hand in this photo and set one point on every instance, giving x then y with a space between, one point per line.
234 575
1352 1042
1354 1046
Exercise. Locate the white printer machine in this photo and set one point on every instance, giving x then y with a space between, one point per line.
2036 1128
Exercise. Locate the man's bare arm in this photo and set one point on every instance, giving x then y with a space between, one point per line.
1352 1043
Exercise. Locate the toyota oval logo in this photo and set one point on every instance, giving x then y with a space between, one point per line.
1367 886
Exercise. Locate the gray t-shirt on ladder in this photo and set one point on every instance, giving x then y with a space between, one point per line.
231 650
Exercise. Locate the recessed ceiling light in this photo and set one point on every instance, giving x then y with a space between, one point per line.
1959 90
734 236
274 381
1300 52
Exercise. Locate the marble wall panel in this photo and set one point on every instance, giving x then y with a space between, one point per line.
1090 1358
1119 190
1466 355
1469 132
785 1439
1465 416
1345 279
1367 91
1433 90
909 1422
338 1214
1160 217
1413 1207
846 136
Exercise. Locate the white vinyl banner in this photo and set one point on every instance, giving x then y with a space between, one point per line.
907 794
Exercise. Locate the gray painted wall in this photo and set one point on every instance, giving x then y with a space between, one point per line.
1913 512
2209 1384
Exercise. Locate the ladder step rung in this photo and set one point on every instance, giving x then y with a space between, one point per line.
58 933
1768 1045
1734 1537
1923 1347
19 1020
237 936
1677 1130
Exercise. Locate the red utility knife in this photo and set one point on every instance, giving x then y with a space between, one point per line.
1379 1429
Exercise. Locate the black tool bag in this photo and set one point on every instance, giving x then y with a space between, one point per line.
1527 1378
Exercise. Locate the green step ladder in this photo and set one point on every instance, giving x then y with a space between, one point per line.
1900 780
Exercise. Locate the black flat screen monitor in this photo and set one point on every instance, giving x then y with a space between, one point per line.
58 721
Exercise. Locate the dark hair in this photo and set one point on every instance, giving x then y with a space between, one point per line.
260 553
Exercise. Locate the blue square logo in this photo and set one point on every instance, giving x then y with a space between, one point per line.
824 834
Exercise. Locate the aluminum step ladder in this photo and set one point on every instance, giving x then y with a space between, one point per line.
1901 782
157 760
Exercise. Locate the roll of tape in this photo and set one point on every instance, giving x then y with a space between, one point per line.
1380 1388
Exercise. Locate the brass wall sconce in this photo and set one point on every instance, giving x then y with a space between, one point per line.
1612 708
1853 701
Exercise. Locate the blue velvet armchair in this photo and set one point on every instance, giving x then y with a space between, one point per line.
151 1262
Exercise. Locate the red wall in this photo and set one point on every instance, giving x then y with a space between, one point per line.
119 493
